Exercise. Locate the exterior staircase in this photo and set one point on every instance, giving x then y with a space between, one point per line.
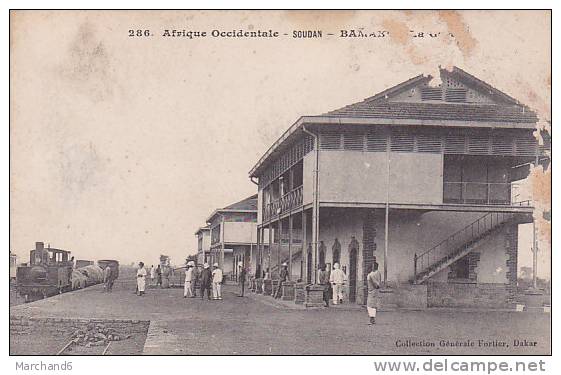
458 245
295 255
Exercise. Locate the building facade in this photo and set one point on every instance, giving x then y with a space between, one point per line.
421 179
233 236
203 244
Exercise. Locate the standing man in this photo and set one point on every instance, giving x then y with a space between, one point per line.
188 279
194 279
216 282
374 281
241 278
159 275
141 278
152 275
108 278
323 279
283 277
205 280
337 280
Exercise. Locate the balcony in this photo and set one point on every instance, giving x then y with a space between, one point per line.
480 193
289 201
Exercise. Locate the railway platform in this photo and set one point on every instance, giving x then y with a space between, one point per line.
163 322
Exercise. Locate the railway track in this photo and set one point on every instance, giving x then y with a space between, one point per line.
65 350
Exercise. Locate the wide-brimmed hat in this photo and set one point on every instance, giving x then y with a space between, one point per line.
205 265
215 265
285 264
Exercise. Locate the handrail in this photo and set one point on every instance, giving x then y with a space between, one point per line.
479 227
292 199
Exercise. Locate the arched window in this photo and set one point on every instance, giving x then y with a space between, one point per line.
321 260
336 251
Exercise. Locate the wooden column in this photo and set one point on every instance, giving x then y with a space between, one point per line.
270 245
304 274
279 226
290 247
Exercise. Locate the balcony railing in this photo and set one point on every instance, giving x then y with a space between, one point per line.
289 201
484 193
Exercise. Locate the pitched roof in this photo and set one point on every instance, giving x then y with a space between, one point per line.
202 229
505 109
435 111
247 204
499 110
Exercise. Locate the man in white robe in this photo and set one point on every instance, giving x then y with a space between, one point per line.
217 282
188 279
141 279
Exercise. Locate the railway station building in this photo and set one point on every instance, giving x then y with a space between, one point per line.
421 178
233 236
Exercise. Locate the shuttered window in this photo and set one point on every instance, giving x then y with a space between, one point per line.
330 141
478 144
402 141
502 144
456 95
429 142
431 93
353 141
526 146
376 141
455 143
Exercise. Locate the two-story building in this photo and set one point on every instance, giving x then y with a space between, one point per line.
203 244
233 236
420 178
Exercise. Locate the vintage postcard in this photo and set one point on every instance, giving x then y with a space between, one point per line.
237 182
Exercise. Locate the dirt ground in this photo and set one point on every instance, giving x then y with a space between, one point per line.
250 326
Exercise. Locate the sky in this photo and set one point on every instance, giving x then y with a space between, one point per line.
122 146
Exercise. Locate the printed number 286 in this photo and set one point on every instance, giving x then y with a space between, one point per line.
139 32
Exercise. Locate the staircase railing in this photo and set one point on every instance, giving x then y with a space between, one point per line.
464 236
295 254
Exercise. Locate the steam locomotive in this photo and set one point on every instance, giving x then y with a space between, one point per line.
51 271
48 272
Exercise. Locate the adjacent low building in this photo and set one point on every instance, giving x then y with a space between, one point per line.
203 244
233 236
420 178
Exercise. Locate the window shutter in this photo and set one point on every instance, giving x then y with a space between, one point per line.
402 141
376 141
353 141
454 144
330 141
429 142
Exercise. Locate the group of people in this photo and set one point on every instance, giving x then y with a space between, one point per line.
207 280
334 282
156 275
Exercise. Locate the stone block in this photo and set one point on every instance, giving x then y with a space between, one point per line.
299 293
314 296
288 290
259 286
268 287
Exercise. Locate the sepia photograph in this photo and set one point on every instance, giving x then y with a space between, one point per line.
280 182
